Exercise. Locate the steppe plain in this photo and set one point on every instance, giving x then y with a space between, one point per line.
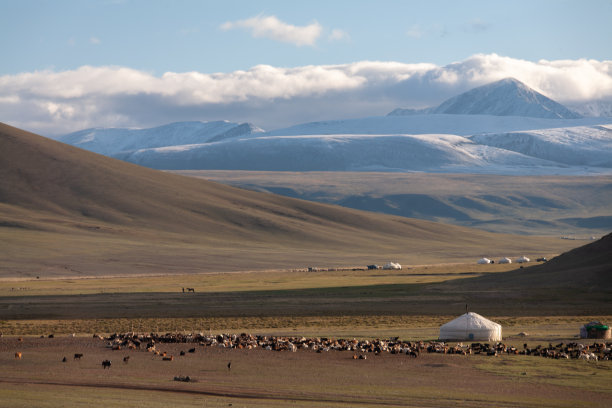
93 245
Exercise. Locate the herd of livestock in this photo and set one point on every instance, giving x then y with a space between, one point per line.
154 343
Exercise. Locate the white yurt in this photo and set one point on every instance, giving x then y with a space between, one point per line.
522 259
504 261
392 265
483 261
471 326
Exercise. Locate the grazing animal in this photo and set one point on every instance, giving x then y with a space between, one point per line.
229 366
126 359
182 353
77 356
192 350
106 364
64 360
18 355
168 358
191 290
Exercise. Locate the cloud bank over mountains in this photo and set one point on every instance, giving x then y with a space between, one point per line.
53 103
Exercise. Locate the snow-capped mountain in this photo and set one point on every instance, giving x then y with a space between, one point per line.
500 128
507 97
111 141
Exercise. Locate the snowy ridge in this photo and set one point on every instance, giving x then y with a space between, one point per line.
575 146
112 141
423 153
463 125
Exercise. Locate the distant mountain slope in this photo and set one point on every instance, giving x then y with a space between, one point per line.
65 211
507 97
113 140
547 205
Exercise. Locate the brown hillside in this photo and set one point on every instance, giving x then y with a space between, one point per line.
586 269
65 211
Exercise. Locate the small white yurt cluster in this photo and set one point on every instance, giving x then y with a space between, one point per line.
522 259
483 261
505 261
471 326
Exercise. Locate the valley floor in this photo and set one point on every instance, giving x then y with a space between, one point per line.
410 304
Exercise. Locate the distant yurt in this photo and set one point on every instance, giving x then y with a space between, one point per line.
522 259
392 265
595 330
483 261
505 260
471 326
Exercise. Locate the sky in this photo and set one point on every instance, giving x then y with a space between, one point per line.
69 65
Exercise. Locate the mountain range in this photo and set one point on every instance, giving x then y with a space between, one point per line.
501 128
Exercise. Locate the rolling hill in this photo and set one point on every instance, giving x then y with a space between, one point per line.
68 212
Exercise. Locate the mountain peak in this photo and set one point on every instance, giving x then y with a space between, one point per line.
506 97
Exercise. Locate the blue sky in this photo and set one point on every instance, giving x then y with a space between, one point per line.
179 36
73 64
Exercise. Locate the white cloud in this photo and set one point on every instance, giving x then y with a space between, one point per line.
275 29
95 40
339 35
52 102
414 32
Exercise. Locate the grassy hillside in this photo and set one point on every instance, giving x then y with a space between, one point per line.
544 205
65 211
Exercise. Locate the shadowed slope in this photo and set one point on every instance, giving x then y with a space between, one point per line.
66 211
586 269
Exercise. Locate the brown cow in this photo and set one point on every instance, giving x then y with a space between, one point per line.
18 355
